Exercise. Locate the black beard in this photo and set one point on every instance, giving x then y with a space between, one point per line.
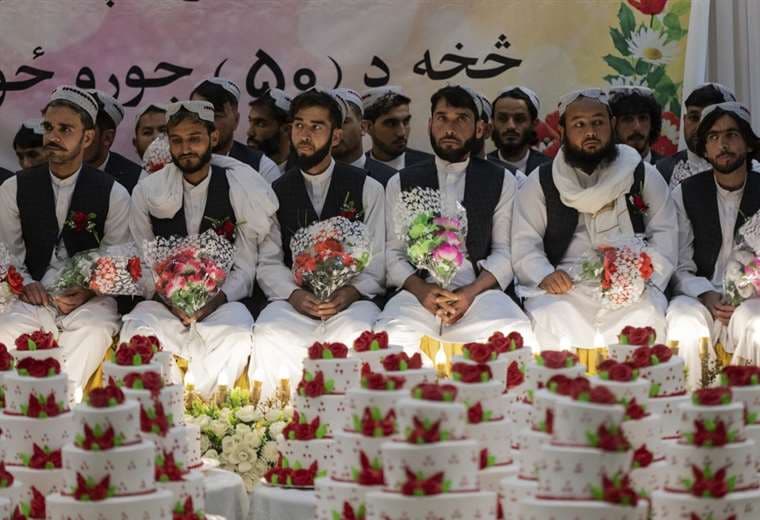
730 167
589 162
268 147
307 162
454 155
221 145
204 160
508 149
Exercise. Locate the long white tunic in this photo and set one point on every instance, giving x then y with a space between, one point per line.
576 315
404 318
85 333
218 347
282 334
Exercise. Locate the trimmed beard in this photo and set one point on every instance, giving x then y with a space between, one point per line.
268 147
731 167
589 162
453 155
307 162
508 149
203 161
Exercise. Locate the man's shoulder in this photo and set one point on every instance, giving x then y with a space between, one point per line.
117 163
413 156
379 171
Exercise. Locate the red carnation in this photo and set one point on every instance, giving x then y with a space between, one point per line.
400 362
479 352
371 341
435 392
14 280
134 268
555 359
712 396
515 375
642 457
467 373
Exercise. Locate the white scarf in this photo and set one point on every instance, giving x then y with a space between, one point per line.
248 192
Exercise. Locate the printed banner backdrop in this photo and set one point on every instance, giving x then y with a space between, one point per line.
145 51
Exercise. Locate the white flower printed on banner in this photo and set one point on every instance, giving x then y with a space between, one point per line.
652 46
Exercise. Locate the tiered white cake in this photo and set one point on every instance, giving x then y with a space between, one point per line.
409 367
745 387
141 354
629 339
583 470
306 446
36 422
109 470
371 347
487 420
432 470
357 465
711 470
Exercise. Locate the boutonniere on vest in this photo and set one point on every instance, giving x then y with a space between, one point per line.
638 203
225 227
348 209
81 222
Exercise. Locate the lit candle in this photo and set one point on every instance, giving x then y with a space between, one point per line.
440 363
284 385
189 382
255 385
599 340
564 343
78 395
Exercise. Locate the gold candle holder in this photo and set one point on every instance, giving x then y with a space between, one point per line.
284 391
255 385
441 364
221 395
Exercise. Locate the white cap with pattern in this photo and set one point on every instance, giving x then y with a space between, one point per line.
78 97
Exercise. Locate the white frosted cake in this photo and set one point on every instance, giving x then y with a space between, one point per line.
105 476
629 339
711 469
409 367
499 353
430 473
371 347
745 388
141 354
357 465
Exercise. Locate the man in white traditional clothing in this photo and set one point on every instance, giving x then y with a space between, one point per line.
475 304
686 163
195 193
224 94
48 214
593 194
318 190
268 127
712 207
387 120
638 119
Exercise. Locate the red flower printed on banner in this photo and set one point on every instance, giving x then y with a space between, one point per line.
479 352
637 336
467 373
712 396
515 375
42 458
401 362
134 268
88 490
370 473
418 485
327 351
376 381
106 397
32 510
435 392
370 341
734 375
314 385
167 469
145 381
556 359
301 430
649 7
154 420
6 478
14 280
425 432
642 457
707 484
37 340
186 511
373 424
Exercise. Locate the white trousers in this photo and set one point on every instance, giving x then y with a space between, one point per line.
84 334
407 321
282 335
577 316
688 321
216 348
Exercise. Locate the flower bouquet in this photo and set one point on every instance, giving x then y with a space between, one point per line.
11 281
742 278
113 271
434 238
189 271
157 155
619 273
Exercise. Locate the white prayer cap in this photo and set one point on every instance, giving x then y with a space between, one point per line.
629 90
35 125
350 96
110 106
225 83
77 96
596 94
203 109
278 96
476 98
740 110
487 107
506 91
373 96
157 107
725 92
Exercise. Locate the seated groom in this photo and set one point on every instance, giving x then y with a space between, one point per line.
318 189
194 193
712 206
39 211
580 201
475 305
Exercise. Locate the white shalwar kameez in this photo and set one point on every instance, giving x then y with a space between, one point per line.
218 347
86 332
689 320
404 317
282 334
578 315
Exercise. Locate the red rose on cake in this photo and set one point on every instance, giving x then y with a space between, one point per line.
167 469
6 360
35 509
401 362
617 490
301 430
435 392
733 375
650 356
377 381
509 343
91 491
712 396
37 340
556 359
97 439
155 420
479 352
38 367
424 433
563 385
642 457
44 458
145 344
314 385
6 478
186 511
128 355
612 370
370 341
106 397
304 477
609 438
634 411
710 485
327 350
515 375
372 424
418 485
596 395
467 373
370 472
637 336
